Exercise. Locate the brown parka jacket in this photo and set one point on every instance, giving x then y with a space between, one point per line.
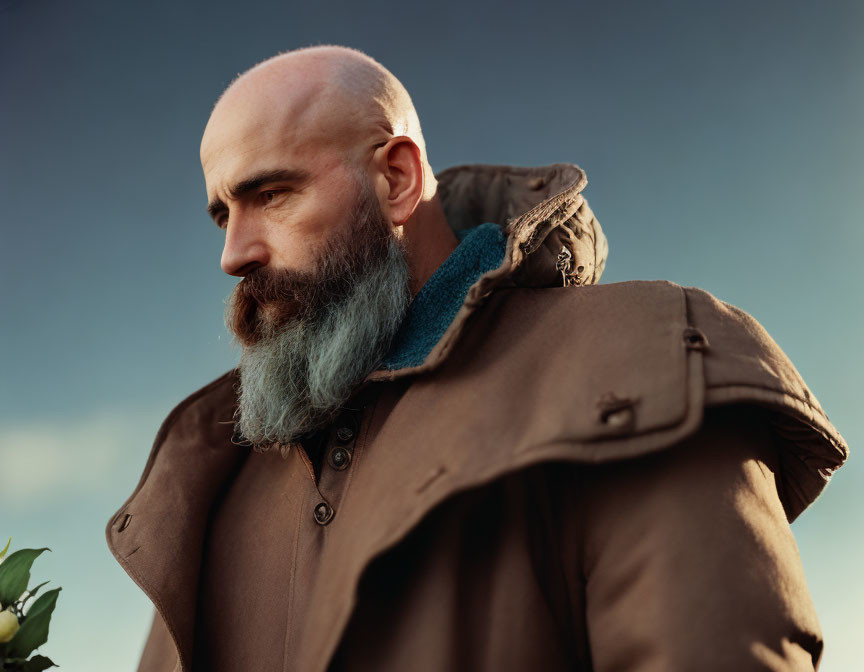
578 477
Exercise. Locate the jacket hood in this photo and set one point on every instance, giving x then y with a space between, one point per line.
530 203
553 237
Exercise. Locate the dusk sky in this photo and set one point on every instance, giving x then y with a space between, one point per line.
722 142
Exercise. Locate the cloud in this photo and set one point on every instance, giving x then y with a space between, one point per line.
46 460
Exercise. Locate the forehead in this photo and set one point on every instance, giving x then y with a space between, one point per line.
257 128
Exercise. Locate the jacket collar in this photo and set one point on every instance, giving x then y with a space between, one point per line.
528 203
433 308
157 535
553 237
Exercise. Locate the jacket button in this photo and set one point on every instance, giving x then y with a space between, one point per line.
323 513
344 434
339 458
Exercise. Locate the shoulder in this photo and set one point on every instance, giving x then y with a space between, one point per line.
635 365
203 417
211 402
739 357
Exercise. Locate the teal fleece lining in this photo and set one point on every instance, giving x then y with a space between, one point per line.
480 249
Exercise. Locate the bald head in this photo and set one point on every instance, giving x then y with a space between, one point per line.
291 144
324 97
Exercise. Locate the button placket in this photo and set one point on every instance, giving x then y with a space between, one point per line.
334 477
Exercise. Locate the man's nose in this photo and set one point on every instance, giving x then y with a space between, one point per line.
245 248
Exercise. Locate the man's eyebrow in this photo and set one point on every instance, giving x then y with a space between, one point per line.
257 180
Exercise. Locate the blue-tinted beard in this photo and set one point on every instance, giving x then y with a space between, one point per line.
296 378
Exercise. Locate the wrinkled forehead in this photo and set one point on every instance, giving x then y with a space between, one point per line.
251 127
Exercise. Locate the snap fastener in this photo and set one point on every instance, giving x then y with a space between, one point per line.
339 458
344 434
618 418
323 513
616 412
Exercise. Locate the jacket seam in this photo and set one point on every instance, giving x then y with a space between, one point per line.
357 461
805 401
360 446
289 640
838 444
159 610
777 390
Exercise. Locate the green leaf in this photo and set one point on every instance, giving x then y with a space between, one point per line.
3 552
15 574
34 626
31 592
38 663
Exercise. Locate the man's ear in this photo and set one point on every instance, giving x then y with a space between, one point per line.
400 162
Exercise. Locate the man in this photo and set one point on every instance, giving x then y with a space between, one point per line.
445 446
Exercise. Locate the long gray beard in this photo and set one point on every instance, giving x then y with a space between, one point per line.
297 379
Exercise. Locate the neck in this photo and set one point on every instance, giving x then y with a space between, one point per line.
429 240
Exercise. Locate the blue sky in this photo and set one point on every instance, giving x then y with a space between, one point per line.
723 148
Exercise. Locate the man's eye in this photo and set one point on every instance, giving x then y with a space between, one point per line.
268 196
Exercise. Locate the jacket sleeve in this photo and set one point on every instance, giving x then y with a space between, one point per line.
685 560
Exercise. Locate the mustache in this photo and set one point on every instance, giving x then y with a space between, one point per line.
266 299
287 295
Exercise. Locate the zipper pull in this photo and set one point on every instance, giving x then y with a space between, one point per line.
565 257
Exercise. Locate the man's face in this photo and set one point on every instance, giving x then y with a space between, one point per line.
325 280
280 165
267 300
310 337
